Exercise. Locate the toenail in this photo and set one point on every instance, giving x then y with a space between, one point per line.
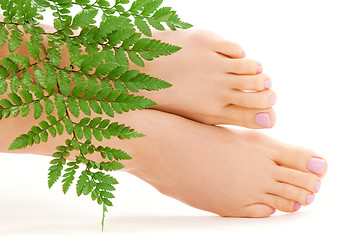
273 211
273 99
264 120
268 84
243 54
317 186
297 206
310 198
316 165
259 69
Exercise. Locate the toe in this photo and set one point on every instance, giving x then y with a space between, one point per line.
248 117
244 66
259 100
229 49
258 82
293 193
308 181
301 159
281 203
258 211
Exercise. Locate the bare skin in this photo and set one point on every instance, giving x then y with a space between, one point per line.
227 172
212 81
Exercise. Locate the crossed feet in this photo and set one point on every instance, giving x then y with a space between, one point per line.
233 173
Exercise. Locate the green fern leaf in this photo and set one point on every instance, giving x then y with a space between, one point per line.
20 142
26 96
19 59
80 85
37 91
49 106
37 110
155 24
51 79
55 171
15 40
9 65
143 26
60 105
4 34
25 110
84 18
68 177
26 81
84 107
3 85
136 59
64 83
34 49
83 180
73 106
95 106
14 83
15 99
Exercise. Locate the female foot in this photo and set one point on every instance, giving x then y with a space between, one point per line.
212 81
227 172
216 169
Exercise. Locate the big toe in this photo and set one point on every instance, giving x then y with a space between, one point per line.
301 159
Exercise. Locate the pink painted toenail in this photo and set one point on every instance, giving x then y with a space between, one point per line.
310 198
259 69
273 99
317 186
264 120
243 54
316 165
268 84
297 206
273 211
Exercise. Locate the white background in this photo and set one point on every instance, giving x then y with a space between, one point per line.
307 47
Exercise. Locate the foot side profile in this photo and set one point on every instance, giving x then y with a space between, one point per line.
213 82
227 172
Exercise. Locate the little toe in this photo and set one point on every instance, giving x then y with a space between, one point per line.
258 82
248 117
229 49
244 66
258 100
301 159
293 193
258 211
308 181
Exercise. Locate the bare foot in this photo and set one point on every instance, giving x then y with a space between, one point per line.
212 81
216 169
227 172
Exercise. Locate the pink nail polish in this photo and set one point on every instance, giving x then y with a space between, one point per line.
297 206
243 54
273 211
317 186
273 99
259 69
316 165
264 120
268 84
310 198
